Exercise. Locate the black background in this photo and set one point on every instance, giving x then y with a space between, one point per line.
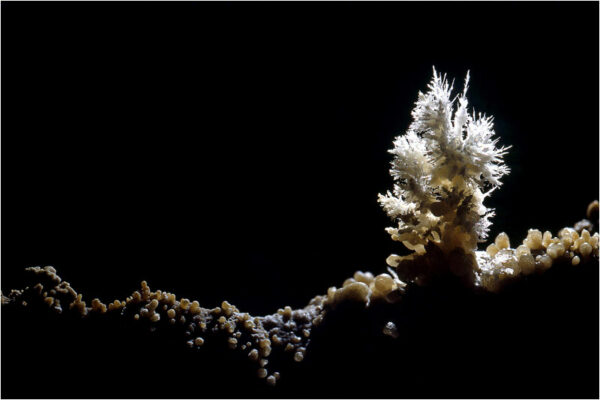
235 150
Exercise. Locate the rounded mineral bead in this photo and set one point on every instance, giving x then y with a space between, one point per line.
522 250
253 354
547 239
555 250
331 292
544 262
585 249
585 235
502 241
384 283
392 260
527 263
364 277
348 281
492 250
534 239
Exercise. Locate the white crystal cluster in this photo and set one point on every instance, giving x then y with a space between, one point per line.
444 166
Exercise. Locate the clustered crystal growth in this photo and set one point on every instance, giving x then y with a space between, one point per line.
444 166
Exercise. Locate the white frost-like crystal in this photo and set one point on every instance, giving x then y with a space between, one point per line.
444 167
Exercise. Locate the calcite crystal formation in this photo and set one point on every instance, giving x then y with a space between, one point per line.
288 332
441 167
537 253
444 166
499 263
